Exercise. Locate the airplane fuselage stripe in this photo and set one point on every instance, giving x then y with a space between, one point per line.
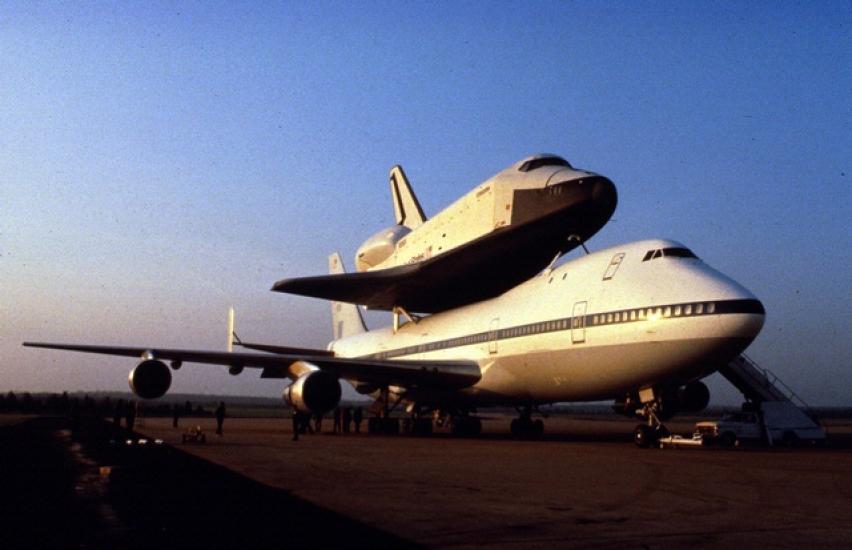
588 322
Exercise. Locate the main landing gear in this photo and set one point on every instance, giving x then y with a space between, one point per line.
524 427
464 425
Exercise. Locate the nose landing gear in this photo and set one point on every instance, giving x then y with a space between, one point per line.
649 433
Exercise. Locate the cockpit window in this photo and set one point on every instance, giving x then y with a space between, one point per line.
532 164
678 252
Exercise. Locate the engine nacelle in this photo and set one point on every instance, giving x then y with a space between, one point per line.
315 392
693 397
150 379
379 247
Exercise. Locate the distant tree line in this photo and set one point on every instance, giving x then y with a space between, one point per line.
64 404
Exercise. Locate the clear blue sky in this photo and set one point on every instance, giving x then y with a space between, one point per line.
159 161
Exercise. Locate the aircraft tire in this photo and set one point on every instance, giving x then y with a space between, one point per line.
390 426
374 425
466 426
642 436
422 427
525 428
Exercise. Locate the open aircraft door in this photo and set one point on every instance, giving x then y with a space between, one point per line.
578 323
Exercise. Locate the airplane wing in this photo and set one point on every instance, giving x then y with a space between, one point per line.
285 350
432 374
465 274
477 270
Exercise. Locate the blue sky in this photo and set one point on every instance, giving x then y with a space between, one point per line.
160 162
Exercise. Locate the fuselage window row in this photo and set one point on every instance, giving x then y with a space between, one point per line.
597 319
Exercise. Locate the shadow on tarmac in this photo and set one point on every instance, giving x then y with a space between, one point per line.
67 485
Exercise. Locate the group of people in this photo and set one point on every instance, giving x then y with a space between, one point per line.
219 413
127 412
345 418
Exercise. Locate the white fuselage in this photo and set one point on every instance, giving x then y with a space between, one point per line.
594 328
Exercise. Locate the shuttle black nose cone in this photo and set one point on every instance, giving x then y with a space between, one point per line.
604 194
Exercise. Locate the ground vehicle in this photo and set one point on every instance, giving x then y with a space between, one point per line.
731 429
194 435
775 422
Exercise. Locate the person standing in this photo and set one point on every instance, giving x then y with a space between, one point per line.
175 415
338 415
347 419
296 424
130 417
357 417
220 417
119 412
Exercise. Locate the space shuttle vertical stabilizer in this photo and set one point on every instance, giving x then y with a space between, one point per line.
405 204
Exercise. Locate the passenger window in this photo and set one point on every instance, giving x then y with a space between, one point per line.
609 317
641 314
699 309
677 311
667 312
687 310
633 315
711 307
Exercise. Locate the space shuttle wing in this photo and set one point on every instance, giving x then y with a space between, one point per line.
432 374
381 289
466 274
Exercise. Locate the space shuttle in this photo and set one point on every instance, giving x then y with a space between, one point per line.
504 231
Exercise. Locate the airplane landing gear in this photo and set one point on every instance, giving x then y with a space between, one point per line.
466 426
648 434
417 425
524 427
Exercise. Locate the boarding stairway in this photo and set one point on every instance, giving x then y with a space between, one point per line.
761 386
758 384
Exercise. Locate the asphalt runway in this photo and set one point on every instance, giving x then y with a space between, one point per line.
79 485
584 486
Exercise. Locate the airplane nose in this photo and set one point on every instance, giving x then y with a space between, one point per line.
742 318
604 194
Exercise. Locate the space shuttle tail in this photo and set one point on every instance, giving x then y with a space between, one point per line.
405 204
346 318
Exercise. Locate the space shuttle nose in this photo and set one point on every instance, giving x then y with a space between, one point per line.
604 194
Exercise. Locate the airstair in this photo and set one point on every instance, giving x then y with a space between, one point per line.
783 411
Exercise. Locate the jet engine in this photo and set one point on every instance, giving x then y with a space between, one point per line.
150 379
314 392
693 397
379 247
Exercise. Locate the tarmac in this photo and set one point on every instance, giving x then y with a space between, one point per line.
585 485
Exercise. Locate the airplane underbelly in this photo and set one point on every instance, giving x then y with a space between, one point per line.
673 353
